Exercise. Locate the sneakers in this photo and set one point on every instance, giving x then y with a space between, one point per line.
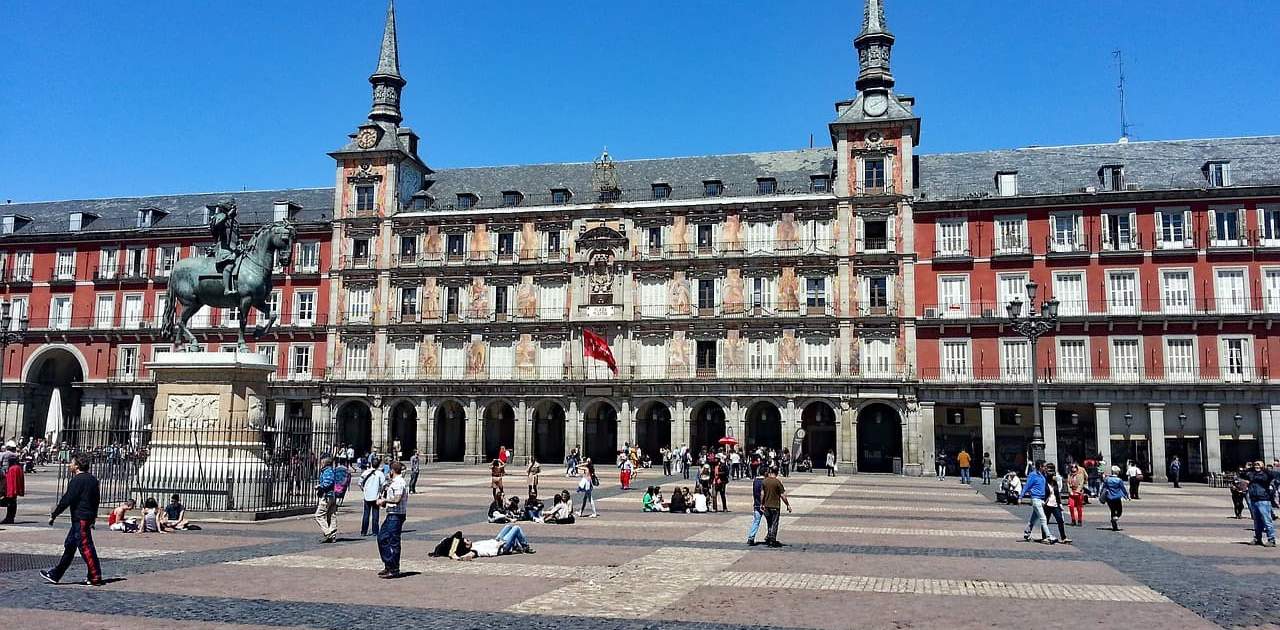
92 583
1026 538
751 542
48 577
1065 541
1270 543
388 575
528 549
1114 525
383 573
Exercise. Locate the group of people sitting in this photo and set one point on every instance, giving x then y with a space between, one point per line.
503 511
153 520
683 500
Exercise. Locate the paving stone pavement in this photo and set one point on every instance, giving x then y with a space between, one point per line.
861 551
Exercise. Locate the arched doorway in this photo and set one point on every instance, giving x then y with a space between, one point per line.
548 432
653 428
355 426
450 427
706 427
499 428
404 429
600 433
879 438
53 368
764 426
820 429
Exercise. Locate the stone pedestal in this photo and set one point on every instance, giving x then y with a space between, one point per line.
207 433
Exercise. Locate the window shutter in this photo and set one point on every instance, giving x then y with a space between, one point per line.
1241 219
1106 232
1133 229
1213 224
888 232
1159 233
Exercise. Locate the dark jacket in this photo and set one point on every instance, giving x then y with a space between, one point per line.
81 497
1259 484
757 493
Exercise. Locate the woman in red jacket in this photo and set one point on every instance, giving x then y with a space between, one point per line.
14 487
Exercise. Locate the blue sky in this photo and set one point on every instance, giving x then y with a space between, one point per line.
113 98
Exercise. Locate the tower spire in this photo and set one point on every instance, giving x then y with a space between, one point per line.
386 79
874 44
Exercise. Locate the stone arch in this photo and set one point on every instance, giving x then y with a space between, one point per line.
879 436
50 347
450 431
763 420
653 427
707 424
53 367
355 425
549 425
821 424
403 422
600 431
499 418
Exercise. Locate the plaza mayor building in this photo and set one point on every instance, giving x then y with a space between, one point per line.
859 292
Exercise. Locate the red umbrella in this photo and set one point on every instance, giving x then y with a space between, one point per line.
729 439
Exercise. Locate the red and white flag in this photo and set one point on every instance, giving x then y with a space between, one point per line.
595 347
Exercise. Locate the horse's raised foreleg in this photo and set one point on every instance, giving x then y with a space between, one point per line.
261 330
188 310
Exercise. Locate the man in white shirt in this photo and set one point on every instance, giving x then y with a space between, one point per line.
510 539
395 498
371 482
735 464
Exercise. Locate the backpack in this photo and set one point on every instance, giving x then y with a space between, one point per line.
340 481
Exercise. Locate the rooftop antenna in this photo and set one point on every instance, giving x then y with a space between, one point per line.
1124 114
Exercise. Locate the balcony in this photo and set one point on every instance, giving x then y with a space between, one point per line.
358 262
876 245
1266 305
128 375
952 253
887 188
1095 375
362 211
1119 244
1068 245
600 373
19 277
303 271
877 310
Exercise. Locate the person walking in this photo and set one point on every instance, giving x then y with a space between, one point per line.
14 483
415 467
1113 493
940 465
1076 492
1053 501
625 468
1260 502
532 472
720 481
773 497
1135 479
81 498
1239 490
686 461
1036 488
395 500
987 465
331 486
831 463
497 470
587 481
757 506
1175 471
371 482
963 460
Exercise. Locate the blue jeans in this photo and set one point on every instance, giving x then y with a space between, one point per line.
1037 520
986 476
1260 509
964 474
389 542
369 506
756 515
511 536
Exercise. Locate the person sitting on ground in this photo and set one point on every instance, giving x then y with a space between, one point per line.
1010 488
119 521
652 501
510 540
152 521
699 501
561 511
532 508
175 514
498 510
678 503
513 508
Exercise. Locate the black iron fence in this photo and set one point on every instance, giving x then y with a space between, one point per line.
213 470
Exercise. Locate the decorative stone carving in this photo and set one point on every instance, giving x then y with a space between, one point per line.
256 413
600 280
192 411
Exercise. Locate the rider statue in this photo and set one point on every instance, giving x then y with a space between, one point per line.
226 248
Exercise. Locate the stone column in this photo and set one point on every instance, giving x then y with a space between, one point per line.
925 428
426 431
735 420
987 413
1155 415
523 443
1268 426
1102 428
378 431
849 437
474 432
680 425
791 422
572 427
1049 418
626 425
1212 445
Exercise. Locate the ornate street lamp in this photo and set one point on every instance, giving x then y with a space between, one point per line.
9 336
1033 325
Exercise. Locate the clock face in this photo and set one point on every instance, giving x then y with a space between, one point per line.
875 104
366 138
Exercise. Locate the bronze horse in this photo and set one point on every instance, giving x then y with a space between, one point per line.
194 283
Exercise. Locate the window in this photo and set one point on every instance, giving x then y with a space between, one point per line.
759 236
706 236
1119 230
22 266
356 360
761 293
955 360
1007 183
553 243
819 183
128 362
817 356
273 303
1010 287
705 355
135 262
1126 359
1173 228
873 174
652 361
1175 290
766 186
560 195
107 263
653 297
820 234
1011 235
1068 289
162 305
1226 227
17 310
877 295
408 247
875 234
1015 362
816 293
268 352
452 302
1073 359
655 240
60 312
706 294
308 260
133 311
1111 177
455 245
304 308
65 267
1236 358
146 217
1271 290
661 191
300 362
501 305
364 198
1179 358
712 188
506 243
551 300
1230 290
953 295
78 221
9 222
952 238
877 357
466 201
502 359
511 199
168 256
1218 174
1122 292
104 313
360 251
1065 231
359 304
1269 226
762 356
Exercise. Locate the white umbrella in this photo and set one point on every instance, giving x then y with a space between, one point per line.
135 419
53 421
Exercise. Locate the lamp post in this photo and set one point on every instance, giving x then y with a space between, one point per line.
1033 325
1128 432
7 337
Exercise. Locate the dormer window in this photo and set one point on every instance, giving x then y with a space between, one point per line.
282 210
466 201
511 198
79 220
1111 177
560 195
712 188
819 183
766 185
1007 183
421 202
11 223
1218 173
661 190
147 217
